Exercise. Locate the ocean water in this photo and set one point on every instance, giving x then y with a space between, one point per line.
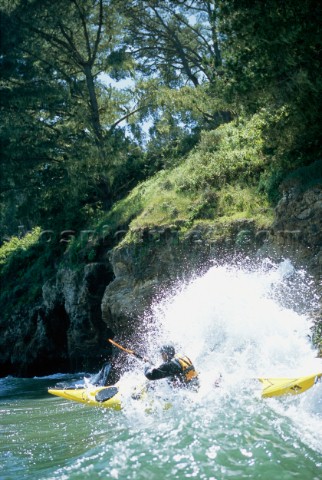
238 322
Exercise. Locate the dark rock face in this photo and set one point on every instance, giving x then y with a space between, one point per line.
297 228
65 332
80 295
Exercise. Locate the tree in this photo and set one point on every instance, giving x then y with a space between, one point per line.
272 54
177 40
176 47
59 120
75 41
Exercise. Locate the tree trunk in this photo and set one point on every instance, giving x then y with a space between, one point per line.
95 116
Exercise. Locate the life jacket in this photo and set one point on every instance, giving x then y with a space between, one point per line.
188 372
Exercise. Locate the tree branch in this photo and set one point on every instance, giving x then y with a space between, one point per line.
86 36
125 117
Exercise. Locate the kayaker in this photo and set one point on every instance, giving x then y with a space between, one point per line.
178 369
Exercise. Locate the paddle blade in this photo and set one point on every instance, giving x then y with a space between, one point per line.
106 394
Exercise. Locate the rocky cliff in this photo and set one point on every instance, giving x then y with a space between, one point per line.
80 309
64 332
297 228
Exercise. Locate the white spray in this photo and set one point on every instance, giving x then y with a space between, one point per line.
244 323
233 320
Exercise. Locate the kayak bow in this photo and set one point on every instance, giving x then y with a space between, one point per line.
108 397
275 387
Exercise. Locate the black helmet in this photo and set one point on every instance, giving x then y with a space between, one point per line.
168 350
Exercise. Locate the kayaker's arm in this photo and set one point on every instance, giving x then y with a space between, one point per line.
167 369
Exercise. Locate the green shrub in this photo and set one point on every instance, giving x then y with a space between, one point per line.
19 246
218 179
26 263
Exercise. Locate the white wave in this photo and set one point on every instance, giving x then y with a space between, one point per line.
231 319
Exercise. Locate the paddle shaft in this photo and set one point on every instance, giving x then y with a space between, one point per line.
127 350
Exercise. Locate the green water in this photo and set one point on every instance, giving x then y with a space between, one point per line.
244 323
222 435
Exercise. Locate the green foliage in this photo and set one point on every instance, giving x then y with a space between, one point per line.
26 263
231 152
216 182
18 246
174 40
273 65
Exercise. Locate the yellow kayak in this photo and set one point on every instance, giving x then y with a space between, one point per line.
275 387
108 397
111 397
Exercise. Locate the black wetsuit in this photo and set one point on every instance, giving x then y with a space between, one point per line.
173 372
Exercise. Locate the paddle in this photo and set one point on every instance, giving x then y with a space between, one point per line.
127 350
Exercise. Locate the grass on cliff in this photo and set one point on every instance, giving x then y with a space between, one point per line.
18 246
25 264
217 182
